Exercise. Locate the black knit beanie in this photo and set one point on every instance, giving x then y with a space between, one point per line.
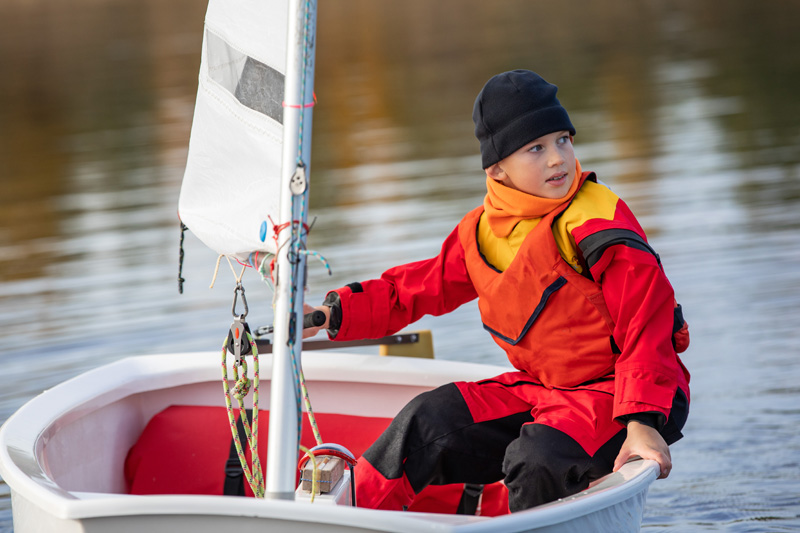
514 108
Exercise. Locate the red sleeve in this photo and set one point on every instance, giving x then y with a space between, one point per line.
405 293
641 302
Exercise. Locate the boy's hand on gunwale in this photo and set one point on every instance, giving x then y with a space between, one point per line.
647 443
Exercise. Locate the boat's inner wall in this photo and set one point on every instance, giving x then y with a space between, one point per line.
85 450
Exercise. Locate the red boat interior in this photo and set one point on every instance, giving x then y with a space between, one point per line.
184 450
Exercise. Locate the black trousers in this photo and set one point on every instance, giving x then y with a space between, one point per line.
436 440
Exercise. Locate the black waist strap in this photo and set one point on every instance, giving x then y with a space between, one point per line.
470 499
234 475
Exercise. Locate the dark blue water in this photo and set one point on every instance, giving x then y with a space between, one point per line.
688 111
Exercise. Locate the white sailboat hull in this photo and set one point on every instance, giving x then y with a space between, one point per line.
62 453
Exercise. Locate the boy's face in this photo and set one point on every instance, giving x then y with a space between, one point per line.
544 167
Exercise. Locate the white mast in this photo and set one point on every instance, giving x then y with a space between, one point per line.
297 115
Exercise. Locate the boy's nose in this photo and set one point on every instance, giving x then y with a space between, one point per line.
556 158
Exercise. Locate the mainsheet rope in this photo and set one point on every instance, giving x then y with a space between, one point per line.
254 476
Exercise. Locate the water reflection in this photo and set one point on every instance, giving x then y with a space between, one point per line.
686 109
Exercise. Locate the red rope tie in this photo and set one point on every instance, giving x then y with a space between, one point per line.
277 229
312 104
323 451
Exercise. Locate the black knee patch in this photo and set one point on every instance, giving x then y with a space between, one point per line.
435 440
423 420
545 464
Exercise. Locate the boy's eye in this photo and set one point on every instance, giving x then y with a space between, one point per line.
536 148
563 139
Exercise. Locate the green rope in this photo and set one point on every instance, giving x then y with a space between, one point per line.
310 412
314 471
254 477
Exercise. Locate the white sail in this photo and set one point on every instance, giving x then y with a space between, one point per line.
230 190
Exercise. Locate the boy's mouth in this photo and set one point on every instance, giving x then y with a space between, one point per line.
557 179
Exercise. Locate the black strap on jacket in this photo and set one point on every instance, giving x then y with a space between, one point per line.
234 475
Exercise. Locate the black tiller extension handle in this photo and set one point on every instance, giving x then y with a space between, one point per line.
314 319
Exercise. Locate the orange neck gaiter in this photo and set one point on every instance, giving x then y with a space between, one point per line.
505 206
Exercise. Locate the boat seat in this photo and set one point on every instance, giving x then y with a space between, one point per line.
184 450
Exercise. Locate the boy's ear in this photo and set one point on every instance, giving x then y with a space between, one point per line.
496 172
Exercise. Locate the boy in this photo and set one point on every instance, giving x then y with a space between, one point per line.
568 287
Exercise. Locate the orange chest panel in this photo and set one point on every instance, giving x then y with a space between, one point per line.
552 322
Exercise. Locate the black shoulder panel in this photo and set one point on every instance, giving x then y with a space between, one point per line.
355 287
593 246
